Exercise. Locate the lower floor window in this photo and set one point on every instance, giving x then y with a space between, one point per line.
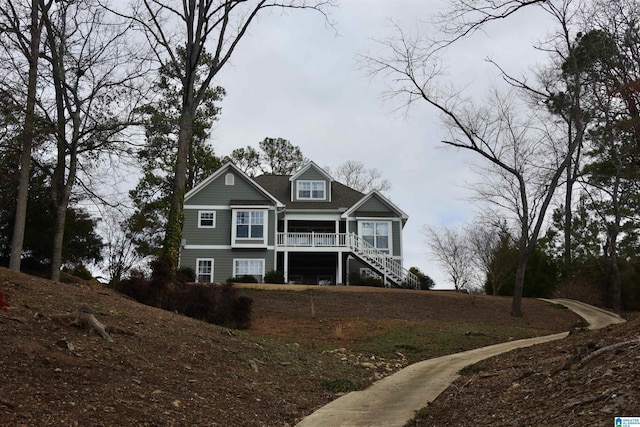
248 267
204 270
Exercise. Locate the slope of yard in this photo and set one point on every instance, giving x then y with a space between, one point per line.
166 369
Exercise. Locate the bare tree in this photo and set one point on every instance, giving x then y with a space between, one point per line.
121 254
24 35
179 33
450 248
522 156
355 174
485 240
92 74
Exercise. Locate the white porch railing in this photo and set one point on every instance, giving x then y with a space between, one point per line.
392 270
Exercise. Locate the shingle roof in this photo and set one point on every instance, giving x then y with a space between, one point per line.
279 186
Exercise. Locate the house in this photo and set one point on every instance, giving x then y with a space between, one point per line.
310 227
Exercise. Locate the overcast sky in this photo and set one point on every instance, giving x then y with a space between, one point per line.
294 78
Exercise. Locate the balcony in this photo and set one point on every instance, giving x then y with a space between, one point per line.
312 240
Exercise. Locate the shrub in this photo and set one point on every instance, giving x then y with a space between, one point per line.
218 304
186 274
274 276
242 279
355 279
136 287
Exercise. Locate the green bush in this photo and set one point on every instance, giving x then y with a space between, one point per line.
242 279
274 276
186 274
218 304
355 279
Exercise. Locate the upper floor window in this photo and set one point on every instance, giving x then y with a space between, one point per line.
314 190
250 224
206 219
229 179
376 234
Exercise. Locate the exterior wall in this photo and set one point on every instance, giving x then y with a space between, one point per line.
217 193
396 230
223 260
310 174
374 205
216 243
220 235
396 233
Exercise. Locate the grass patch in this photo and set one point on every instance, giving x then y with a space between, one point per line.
472 369
341 385
419 341
421 414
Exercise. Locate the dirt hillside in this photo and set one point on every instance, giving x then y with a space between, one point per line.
166 369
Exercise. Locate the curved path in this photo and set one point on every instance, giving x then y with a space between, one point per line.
393 400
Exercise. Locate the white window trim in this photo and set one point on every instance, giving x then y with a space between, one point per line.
390 227
198 269
249 241
229 179
200 219
311 181
236 260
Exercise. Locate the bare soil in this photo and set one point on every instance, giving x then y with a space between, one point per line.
587 379
165 369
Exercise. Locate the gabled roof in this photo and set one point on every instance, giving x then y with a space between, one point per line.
307 166
224 169
379 196
279 185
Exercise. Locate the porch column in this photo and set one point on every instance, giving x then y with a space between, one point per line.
286 267
339 272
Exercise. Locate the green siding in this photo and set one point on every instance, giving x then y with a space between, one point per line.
217 193
311 174
375 205
223 260
220 235
396 230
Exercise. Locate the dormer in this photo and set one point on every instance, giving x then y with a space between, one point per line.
311 184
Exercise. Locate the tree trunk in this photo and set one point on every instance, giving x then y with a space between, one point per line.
58 241
568 219
17 239
516 303
175 220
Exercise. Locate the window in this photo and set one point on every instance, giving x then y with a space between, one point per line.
204 270
376 234
311 190
206 219
249 267
229 179
250 224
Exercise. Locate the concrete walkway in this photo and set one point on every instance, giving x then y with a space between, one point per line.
392 401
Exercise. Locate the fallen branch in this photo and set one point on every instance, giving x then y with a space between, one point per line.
598 352
84 316
16 319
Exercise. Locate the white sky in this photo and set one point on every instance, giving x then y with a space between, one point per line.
294 78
